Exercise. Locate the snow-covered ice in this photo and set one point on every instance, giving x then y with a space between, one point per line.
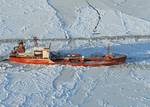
65 86
126 85
44 19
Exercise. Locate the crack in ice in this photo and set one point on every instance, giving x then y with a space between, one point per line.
99 17
67 35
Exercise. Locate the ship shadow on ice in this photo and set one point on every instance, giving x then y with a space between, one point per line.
136 52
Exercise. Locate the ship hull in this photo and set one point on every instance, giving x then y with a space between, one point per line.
73 61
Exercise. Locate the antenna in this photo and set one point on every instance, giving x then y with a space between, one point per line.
49 50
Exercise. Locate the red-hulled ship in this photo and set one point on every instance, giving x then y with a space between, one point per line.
44 56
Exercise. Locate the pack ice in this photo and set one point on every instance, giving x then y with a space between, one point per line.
126 85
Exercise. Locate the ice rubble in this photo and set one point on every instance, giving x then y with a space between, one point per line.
27 87
57 86
5 48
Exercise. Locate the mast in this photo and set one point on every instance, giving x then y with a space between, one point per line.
35 39
49 51
108 49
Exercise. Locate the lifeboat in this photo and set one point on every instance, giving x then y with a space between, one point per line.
45 56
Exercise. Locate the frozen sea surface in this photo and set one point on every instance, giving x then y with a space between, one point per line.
70 18
126 85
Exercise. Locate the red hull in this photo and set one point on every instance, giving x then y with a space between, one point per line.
29 60
92 61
